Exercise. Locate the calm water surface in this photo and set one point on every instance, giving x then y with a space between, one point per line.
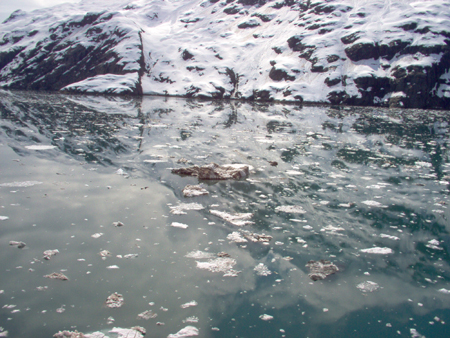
367 178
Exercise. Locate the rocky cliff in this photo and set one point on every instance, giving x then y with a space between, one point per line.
387 53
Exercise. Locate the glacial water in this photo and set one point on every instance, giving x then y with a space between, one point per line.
371 184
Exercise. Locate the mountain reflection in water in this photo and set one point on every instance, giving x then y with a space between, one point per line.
369 186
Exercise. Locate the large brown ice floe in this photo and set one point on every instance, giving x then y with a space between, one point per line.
321 269
213 171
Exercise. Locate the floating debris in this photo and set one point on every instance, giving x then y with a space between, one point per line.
236 237
262 270
189 304
194 190
374 204
49 253
368 286
114 301
104 254
180 208
292 209
20 184
321 269
197 254
118 224
149 314
432 244
188 331
20 245
179 225
239 219
266 317
69 334
40 147
57 275
221 264
214 171
97 235
378 251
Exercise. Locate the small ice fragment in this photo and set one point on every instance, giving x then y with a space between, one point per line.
415 334
292 209
189 304
368 286
112 267
179 225
194 190
57 275
149 314
239 219
373 204
182 207
104 254
394 238
130 256
221 264
114 300
20 245
134 332
118 224
433 244
3 218
97 235
192 319
110 320
325 309
444 291
266 317
236 237
40 147
262 270
41 288
20 184
197 254
49 253
188 331
378 251
121 172
61 309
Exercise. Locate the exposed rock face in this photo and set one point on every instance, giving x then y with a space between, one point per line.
214 171
337 51
321 269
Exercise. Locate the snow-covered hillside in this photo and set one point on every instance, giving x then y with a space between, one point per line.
365 52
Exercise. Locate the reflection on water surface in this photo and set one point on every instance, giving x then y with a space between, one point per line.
364 188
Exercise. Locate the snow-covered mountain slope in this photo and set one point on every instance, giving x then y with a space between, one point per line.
365 52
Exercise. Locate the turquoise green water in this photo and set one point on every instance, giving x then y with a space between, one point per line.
365 177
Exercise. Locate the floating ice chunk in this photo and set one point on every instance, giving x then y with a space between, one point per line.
57 275
3 218
321 269
221 264
20 184
368 286
179 225
239 219
236 237
149 314
71 334
394 238
197 254
114 300
4 334
97 235
49 253
192 319
374 204
254 237
194 190
61 309
180 208
214 171
189 304
434 244
112 267
266 317
378 250
262 270
346 205
415 334
130 256
121 172
134 332
20 245
188 331
444 291
292 209
332 229
104 254
294 173
118 224
40 147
